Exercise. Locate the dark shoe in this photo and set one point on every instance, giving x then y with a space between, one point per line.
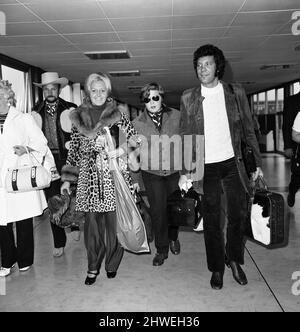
237 272
91 278
291 200
111 275
175 247
216 280
159 259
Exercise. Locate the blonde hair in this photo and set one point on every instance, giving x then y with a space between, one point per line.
9 94
97 77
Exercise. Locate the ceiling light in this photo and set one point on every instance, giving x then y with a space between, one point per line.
107 55
124 73
277 66
246 82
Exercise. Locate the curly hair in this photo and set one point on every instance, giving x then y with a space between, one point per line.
210 50
7 91
145 91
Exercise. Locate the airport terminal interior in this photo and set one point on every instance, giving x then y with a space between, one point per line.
137 42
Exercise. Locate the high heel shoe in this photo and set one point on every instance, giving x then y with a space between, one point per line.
237 272
91 280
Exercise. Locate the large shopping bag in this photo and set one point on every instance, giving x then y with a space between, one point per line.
131 231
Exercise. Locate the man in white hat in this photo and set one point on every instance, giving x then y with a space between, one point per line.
50 115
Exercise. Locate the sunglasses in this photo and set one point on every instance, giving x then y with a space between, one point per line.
154 98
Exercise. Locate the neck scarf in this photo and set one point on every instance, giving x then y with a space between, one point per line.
156 118
51 108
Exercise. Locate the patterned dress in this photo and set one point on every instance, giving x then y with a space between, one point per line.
95 188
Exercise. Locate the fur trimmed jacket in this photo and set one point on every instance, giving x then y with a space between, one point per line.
87 156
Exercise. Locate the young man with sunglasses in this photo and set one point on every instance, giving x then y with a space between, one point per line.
158 126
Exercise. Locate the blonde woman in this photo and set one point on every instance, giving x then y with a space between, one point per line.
87 158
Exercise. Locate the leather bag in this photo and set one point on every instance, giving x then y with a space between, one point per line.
184 208
62 210
29 177
265 224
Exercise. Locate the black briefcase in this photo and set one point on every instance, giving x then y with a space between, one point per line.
184 209
265 223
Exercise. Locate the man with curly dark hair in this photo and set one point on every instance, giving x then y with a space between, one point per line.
220 113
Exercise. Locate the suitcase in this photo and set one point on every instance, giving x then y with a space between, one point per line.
184 209
265 222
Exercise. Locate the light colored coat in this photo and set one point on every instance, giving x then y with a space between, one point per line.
20 129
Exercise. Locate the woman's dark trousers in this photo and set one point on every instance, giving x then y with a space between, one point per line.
217 176
100 239
23 253
158 189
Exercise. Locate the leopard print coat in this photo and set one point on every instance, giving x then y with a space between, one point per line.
95 187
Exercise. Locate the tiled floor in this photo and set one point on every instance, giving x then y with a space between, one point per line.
181 284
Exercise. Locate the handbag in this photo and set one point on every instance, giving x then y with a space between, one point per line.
265 223
62 210
131 230
33 176
247 151
184 208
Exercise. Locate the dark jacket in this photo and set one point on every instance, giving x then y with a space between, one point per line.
290 111
157 154
63 136
192 123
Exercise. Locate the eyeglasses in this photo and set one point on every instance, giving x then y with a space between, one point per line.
154 98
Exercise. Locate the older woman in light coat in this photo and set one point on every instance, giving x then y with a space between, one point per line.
17 131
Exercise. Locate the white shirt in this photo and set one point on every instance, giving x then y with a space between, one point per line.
218 145
296 125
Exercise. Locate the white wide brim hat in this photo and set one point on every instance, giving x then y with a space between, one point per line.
52 78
